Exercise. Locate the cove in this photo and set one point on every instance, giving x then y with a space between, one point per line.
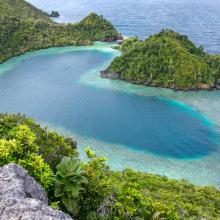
47 85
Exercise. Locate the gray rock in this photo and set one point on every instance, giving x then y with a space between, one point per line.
22 198
107 74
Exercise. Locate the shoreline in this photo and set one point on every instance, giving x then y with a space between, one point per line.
7 64
28 50
105 74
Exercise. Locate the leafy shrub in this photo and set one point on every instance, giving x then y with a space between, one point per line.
7 148
69 181
22 150
51 146
132 203
23 141
99 187
134 195
37 168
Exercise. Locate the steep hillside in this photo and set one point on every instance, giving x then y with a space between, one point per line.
166 59
96 28
19 34
22 10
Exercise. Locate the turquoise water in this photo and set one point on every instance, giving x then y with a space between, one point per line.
154 130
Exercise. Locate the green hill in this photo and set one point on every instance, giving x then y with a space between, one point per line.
22 10
20 32
166 59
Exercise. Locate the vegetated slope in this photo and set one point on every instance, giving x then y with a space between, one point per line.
20 32
22 10
52 147
92 190
166 59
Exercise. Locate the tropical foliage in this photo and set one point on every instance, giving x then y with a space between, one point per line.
69 183
51 146
92 190
25 28
22 10
167 59
134 195
20 148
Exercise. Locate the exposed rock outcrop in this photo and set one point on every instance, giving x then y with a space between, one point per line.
217 84
54 14
118 38
107 74
22 198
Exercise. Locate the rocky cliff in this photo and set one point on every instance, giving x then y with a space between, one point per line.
22 198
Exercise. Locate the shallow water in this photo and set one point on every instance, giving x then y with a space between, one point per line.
198 19
148 129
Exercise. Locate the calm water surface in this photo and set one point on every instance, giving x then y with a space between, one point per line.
199 19
46 88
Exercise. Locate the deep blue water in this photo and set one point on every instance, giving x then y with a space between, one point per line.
48 89
199 19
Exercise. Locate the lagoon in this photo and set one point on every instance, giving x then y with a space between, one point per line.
148 129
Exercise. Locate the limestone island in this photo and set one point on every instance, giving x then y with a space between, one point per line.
54 14
167 60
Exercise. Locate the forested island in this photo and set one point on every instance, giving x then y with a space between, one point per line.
25 28
92 190
167 60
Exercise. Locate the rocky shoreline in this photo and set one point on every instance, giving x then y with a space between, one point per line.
116 76
119 38
107 74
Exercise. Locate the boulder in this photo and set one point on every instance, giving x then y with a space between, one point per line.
22 198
